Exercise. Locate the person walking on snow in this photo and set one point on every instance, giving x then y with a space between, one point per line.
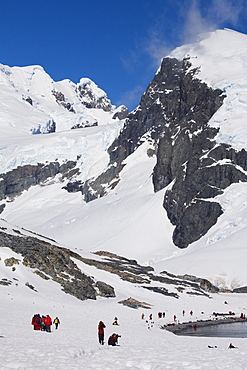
101 328
56 322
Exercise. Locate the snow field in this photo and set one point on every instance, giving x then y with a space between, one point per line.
75 344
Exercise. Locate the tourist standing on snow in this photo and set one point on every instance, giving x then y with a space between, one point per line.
56 322
115 322
48 323
43 323
36 322
101 328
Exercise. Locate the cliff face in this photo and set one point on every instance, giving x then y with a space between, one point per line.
174 114
175 111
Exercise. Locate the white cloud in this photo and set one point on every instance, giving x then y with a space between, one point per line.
130 97
216 14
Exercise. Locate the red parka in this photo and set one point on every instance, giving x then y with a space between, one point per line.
101 328
47 320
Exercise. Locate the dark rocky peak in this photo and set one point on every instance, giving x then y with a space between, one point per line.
61 100
175 101
92 96
121 112
175 111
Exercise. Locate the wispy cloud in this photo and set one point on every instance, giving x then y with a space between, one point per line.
177 23
215 14
186 19
131 97
157 47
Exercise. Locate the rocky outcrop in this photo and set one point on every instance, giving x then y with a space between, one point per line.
55 263
52 262
134 303
174 112
91 99
11 261
60 99
14 182
105 290
121 113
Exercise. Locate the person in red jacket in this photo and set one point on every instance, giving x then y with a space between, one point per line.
36 322
48 323
101 328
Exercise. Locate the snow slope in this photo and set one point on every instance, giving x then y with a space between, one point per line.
131 220
143 345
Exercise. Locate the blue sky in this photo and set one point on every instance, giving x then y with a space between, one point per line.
117 43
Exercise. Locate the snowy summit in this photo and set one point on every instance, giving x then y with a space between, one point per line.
103 210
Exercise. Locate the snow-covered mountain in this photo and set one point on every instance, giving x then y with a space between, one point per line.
100 206
183 147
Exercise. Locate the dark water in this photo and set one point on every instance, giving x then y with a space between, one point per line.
234 330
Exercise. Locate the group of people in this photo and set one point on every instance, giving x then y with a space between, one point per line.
44 323
163 315
113 339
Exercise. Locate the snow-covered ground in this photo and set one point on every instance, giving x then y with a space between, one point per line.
142 345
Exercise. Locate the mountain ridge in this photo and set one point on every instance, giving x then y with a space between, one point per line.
169 148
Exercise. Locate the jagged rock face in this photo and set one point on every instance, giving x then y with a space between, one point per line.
52 262
60 99
22 178
91 100
188 155
175 111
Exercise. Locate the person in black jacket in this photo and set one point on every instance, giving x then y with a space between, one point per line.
113 339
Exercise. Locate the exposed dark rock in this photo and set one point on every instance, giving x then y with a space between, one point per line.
175 111
59 264
52 261
30 286
84 124
5 282
161 290
29 100
73 187
105 290
121 114
41 274
60 99
242 289
203 283
14 182
133 303
90 100
11 261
